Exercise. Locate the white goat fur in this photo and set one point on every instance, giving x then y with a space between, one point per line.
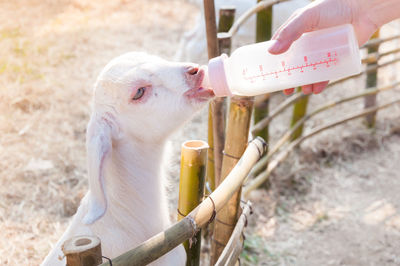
126 202
192 46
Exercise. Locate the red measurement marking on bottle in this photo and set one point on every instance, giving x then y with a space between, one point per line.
331 59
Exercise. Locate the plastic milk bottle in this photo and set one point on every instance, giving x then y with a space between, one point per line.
317 56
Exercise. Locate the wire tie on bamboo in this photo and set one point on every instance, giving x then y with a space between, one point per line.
231 225
230 156
109 260
192 239
260 152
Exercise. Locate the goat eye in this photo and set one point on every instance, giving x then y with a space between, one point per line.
139 93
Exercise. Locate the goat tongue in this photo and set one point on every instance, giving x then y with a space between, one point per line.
200 94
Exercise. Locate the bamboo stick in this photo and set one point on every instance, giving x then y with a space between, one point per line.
370 100
236 140
299 111
263 33
260 179
374 57
165 241
265 121
379 41
286 137
191 190
369 69
82 251
236 236
234 257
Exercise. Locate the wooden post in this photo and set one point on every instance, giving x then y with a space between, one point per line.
82 251
299 111
215 135
261 106
372 81
191 190
235 144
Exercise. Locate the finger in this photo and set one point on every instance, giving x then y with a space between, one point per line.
288 91
301 23
319 87
307 89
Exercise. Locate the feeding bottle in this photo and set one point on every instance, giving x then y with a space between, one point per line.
317 56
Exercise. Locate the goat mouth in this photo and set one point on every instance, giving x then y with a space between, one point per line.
198 92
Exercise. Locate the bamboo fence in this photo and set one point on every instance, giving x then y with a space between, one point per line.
186 228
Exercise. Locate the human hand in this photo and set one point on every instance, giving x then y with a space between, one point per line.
324 14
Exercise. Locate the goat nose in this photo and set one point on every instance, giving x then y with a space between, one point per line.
192 71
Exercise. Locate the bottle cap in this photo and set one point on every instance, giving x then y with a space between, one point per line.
217 76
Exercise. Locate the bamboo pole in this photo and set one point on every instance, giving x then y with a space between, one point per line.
263 33
370 100
215 134
191 190
236 237
299 111
286 137
210 177
260 179
82 251
236 140
218 105
165 241
374 57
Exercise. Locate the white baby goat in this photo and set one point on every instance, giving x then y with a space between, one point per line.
139 100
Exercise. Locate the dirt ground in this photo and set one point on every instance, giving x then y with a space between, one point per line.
334 202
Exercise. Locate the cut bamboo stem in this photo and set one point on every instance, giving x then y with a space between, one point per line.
191 190
82 251
236 140
165 241
286 137
372 79
299 111
226 18
260 179
236 237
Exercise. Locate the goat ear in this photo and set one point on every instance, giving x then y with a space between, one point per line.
99 144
